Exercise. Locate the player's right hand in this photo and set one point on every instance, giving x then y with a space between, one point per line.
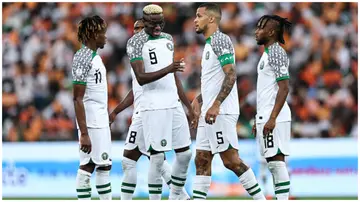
112 117
178 66
85 143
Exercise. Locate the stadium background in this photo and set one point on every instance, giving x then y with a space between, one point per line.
39 40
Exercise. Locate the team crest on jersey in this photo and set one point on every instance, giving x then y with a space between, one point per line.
262 65
104 156
170 46
163 142
207 56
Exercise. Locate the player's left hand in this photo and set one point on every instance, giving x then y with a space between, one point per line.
212 113
269 127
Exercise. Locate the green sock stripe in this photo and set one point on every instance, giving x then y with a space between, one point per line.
199 197
282 191
255 192
103 186
169 182
177 184
127 191
282 184
155 185
104 192
178 178
84 196
199 192
83 190
154 192
248 189
128 184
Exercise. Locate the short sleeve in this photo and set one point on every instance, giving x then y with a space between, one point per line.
279 63
223 48
81 67
134 47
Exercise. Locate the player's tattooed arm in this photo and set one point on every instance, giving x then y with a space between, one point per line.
228 83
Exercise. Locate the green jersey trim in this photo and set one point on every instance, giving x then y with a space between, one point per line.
94 53
283 78
158 37
208 40
267 50
134 59
226 59
79 82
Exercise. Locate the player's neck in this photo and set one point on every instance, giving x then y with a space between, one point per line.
210 31
269 43
90 45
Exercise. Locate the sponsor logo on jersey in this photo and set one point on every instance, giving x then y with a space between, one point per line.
163 142
170 46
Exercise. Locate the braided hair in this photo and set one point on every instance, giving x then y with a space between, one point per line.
281 25
89 26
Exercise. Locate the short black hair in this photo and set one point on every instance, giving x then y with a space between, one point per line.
212 7
89 26
282 24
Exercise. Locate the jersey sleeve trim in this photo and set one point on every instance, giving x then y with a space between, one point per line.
283 78
226 59
138 58
79 82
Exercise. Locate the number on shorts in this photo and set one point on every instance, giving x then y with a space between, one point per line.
220 140
132 137
268 141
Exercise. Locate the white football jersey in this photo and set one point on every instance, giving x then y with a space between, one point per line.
156 53
137 92
272 67
88 69
218 52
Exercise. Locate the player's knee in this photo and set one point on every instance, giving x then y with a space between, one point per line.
105 168
128 164
184 157
90 167
134 154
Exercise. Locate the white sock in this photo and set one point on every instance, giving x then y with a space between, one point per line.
154 178
281 179
251 185
129 179
179 173
263 176
201 186
166 172
83 186
103 184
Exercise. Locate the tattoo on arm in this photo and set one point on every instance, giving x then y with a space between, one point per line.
228 83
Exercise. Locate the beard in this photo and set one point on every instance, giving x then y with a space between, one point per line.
261 41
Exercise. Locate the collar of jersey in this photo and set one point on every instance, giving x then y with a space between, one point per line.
94 53
208 40
267 49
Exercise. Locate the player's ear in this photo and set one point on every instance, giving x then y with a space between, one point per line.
212 19
272 32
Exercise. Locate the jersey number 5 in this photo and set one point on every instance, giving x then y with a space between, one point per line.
220 139
153 59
